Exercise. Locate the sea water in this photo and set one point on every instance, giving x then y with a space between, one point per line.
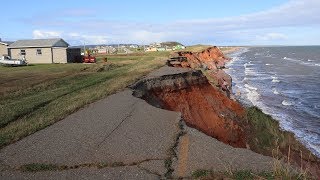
283 82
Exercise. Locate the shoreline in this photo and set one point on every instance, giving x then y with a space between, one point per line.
240 99
263 133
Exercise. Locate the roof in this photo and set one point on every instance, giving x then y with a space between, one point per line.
7 43
58 42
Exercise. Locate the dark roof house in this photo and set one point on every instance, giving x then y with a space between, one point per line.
43 51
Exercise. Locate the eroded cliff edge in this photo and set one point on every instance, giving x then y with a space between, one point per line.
206 107
202 107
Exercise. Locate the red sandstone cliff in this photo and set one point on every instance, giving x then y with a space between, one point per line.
201 105
211 58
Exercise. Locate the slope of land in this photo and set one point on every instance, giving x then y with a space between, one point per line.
123 136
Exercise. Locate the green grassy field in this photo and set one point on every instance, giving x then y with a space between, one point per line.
36 96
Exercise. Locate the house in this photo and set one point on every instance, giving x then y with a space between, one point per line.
150 49
4 47
44 51
178 47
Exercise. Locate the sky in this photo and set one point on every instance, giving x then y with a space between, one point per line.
223 22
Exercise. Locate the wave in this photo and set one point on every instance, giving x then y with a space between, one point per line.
252 94
250 87
275 79
302 61
275 91
287 103
249 71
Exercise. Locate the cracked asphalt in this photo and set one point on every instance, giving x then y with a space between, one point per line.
126 130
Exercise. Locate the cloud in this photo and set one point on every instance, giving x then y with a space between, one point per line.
88 39
256 27
39 34
272 36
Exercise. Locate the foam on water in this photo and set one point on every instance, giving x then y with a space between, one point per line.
252 94
275 91
260 86
275 79
287 103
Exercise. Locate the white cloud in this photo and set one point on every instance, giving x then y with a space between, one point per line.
272 37
87 39
250 28
39 34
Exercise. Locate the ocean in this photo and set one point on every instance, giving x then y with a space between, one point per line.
283 82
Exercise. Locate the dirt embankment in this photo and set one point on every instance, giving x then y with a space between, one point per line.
202 106
211 58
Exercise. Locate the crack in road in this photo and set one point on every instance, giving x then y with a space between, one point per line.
118 126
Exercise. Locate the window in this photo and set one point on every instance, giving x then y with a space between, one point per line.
39 52
22 52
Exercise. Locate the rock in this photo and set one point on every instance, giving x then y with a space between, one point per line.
222 80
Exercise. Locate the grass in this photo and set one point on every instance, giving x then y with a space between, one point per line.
266 130
36 167
247 175
197 48
34 97
268 136
238 175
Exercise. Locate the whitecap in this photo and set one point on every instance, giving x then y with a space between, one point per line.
275 79
275 91
287 103
250 87
252 94
317 64
268 64
310 60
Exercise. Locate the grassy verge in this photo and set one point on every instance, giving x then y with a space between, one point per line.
34 97
243 174
267 134
266 137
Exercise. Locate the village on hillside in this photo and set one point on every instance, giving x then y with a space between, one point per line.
57 50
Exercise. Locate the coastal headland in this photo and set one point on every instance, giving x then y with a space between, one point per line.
179 121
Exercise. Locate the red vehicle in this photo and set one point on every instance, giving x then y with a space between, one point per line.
89 59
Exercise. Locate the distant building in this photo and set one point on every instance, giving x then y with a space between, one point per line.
44 51
150 49
4 47
178 47
161 49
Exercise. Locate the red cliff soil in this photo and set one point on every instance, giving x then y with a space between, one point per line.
211 58
207 110
201 105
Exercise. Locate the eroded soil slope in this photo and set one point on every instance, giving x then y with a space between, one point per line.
202 106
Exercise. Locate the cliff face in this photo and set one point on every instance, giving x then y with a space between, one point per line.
201 105
211 58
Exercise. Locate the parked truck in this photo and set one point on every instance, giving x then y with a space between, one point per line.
7 61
